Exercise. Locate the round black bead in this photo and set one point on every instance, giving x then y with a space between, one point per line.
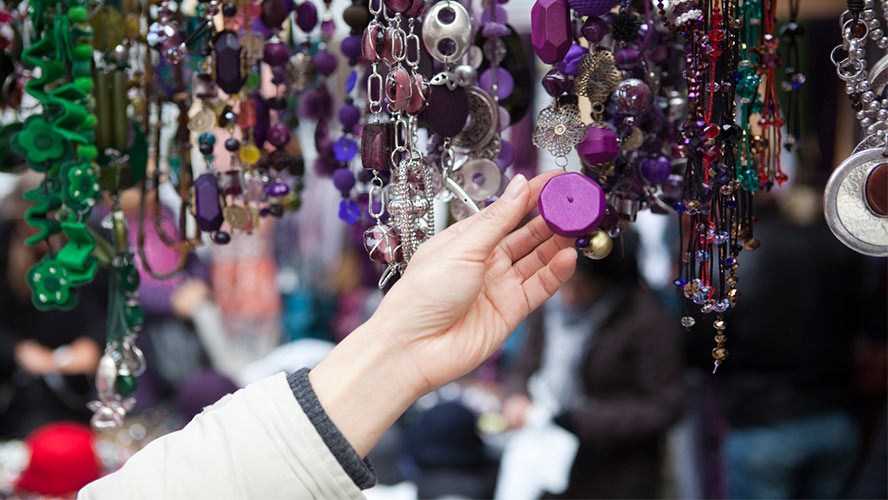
221 237
205 148
277 103
205 50
276 210
232 144
229 9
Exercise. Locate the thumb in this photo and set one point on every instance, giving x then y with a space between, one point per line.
488 227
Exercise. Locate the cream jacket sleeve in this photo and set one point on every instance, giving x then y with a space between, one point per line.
257 443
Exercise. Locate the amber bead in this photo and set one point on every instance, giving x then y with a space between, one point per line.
719 353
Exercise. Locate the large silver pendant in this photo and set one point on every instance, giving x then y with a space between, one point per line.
447 31
853 202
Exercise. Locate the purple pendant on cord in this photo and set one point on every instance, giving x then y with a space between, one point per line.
228 62
208 208
345 149
572 204
306 16
447 110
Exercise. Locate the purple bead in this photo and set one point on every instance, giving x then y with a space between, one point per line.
351 47
506 156
599 146
344 180
627 58
325 63
328 29
274 12
572 204
208 208
632 97
277 190
492 29
556 83
306 16
550 29
345 149
383 245
349 115
594 29
501 16
447 110
377 143
504 86
260 128
259 26
656 170
316 104
570 65
278 135
275 53
592 7
228 62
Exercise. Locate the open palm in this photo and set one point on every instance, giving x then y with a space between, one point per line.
469 286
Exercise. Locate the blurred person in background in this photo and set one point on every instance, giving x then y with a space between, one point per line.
787 389
604 356
47 358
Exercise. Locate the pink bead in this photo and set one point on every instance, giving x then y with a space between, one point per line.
383 245
419 95
372 42
399 88
572 204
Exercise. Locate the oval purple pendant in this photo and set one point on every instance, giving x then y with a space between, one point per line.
447 110
572 204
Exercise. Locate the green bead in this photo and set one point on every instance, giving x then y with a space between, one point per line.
125 384
87 152
253 80
207 138
135 317
77 14
128 277
90 121
84 84
83 52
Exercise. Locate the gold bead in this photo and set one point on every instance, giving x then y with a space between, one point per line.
132 26
732 280
600 245
719 353
751 244
721 339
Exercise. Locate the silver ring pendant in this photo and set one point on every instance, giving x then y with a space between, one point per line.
447 31
850 212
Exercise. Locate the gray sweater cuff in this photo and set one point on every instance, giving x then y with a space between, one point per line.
360 471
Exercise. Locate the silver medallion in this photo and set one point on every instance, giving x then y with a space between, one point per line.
850 215
481 178
878 76
482 123
447 31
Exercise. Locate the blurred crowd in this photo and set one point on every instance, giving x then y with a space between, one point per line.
599 394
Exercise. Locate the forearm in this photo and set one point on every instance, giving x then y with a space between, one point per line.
365 384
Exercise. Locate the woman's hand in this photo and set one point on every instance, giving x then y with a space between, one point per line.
464 291
467 288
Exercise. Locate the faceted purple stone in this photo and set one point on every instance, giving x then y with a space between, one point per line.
555 83
228 62
325 63
344 180
208 208
447 110
275 53
599 146
656 170
306 16
351 47
550 29
349 115
504 86
570 65
594 29
377 143
592 7
274 12
572 204
277 190
278 135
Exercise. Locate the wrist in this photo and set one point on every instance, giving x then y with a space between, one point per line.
365 384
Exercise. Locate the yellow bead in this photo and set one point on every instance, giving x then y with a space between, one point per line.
249 154
132 26
600 245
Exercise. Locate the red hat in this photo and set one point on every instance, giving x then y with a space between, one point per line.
62 460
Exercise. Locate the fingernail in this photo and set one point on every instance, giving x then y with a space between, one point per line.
515 187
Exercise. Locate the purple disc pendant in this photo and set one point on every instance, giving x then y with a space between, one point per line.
572 204
447 110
